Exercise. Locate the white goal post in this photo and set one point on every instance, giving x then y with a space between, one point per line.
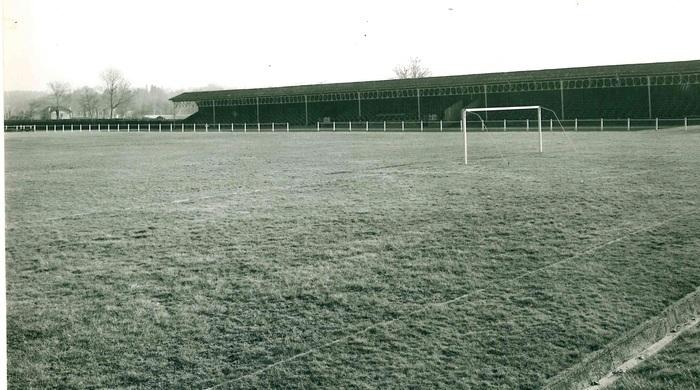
474 110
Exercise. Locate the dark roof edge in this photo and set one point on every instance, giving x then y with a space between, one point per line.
184 97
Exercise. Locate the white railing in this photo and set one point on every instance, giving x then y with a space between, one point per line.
600 124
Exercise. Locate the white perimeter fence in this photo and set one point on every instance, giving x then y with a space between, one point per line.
365 126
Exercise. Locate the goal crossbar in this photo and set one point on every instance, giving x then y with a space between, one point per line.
468 110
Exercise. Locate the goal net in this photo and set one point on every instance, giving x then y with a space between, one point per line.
476 112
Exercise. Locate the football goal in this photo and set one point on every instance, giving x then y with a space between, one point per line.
475 111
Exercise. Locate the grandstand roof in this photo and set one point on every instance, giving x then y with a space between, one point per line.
658 68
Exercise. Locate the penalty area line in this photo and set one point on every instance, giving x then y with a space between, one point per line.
430 306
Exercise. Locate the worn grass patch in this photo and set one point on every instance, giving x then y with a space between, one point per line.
194 260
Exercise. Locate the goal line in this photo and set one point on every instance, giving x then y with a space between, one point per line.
476 110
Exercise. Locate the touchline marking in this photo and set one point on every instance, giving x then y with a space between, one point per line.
444 303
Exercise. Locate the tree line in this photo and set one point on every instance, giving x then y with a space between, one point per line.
113 98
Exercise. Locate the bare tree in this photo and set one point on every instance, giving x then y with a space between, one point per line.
36 110
413 70
59 91
89 101
117 89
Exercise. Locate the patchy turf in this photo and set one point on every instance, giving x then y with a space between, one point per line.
675 368
194 260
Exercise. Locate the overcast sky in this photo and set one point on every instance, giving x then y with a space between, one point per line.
187 44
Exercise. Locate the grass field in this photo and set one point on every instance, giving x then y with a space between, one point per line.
199 260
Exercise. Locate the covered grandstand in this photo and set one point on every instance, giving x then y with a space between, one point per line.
656 90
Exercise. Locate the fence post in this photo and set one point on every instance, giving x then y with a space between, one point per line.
601 124
575 124
685 122
258 127
657 123
441 125
273 127
527 124
287 127
367 126
628 124
350 125
182 129
138 127
245 127
384 125
504 125
99 127
128 129
550 124
421 126
333 126
318 126
402 126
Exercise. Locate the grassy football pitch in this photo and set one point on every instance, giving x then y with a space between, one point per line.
339 260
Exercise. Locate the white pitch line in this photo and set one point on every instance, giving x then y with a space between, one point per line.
439 304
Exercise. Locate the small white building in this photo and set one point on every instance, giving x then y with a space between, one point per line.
60 112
